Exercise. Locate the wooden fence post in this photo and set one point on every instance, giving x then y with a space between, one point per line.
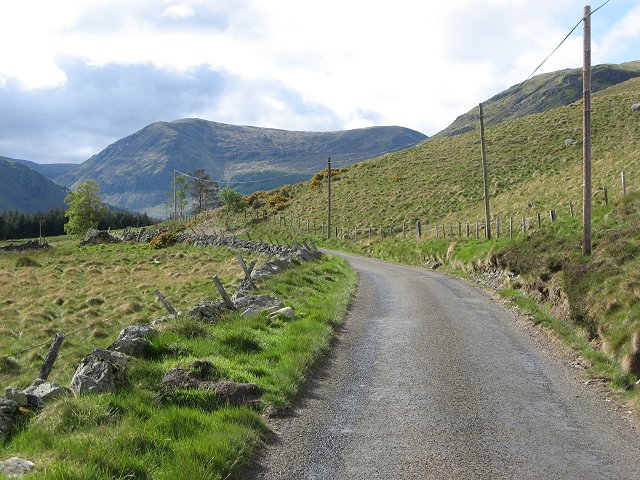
403 231
552 215
539 217
624 184
437 233
524 226
497 226
49 360
477 234
222 291
510 227
419 229
166 303
467 229
606 195
246 270
571 209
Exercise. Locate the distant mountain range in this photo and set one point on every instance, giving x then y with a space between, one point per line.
136 172
26 190
541 94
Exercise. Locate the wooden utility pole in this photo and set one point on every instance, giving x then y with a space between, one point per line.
175 205
586 134
329 198
485 178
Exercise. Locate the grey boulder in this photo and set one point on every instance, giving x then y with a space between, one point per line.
99 372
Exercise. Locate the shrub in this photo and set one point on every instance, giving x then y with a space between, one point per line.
163 240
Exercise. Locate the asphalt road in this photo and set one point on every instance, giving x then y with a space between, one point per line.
431 379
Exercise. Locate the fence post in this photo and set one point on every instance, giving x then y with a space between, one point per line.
524 226
571 209
459 230
444 231
467 229
166 303
624 184
419 229
437 233
606 195
539 218
403 231
477 236
510 227
497 226
552 215
49 360
222 291
369 232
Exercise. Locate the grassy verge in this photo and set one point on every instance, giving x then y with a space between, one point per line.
141 432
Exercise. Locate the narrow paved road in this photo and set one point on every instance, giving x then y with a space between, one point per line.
430 379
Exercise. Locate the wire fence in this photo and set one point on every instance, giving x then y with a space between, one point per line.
502 224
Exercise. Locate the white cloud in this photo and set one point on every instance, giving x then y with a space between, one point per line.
179 11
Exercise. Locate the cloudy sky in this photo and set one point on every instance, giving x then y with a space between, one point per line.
76 75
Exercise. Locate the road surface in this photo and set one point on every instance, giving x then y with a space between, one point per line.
431 379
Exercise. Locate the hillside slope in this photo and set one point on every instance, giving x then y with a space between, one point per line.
50 170
541 94
26 190
136 172
531 168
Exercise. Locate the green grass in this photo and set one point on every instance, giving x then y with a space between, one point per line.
98 289
142 431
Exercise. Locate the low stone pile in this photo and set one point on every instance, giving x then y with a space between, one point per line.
96 237
28 245
635 107
14 403
196 375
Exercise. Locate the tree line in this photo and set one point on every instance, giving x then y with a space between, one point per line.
16 225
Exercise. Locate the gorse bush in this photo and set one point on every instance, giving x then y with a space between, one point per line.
163 240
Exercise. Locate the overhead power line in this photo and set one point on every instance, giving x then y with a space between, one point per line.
564 40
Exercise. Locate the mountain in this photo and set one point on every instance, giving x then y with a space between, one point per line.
50 170
136 172
541 94
26 190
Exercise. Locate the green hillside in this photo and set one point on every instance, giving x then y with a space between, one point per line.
531 168
542 93
26 190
